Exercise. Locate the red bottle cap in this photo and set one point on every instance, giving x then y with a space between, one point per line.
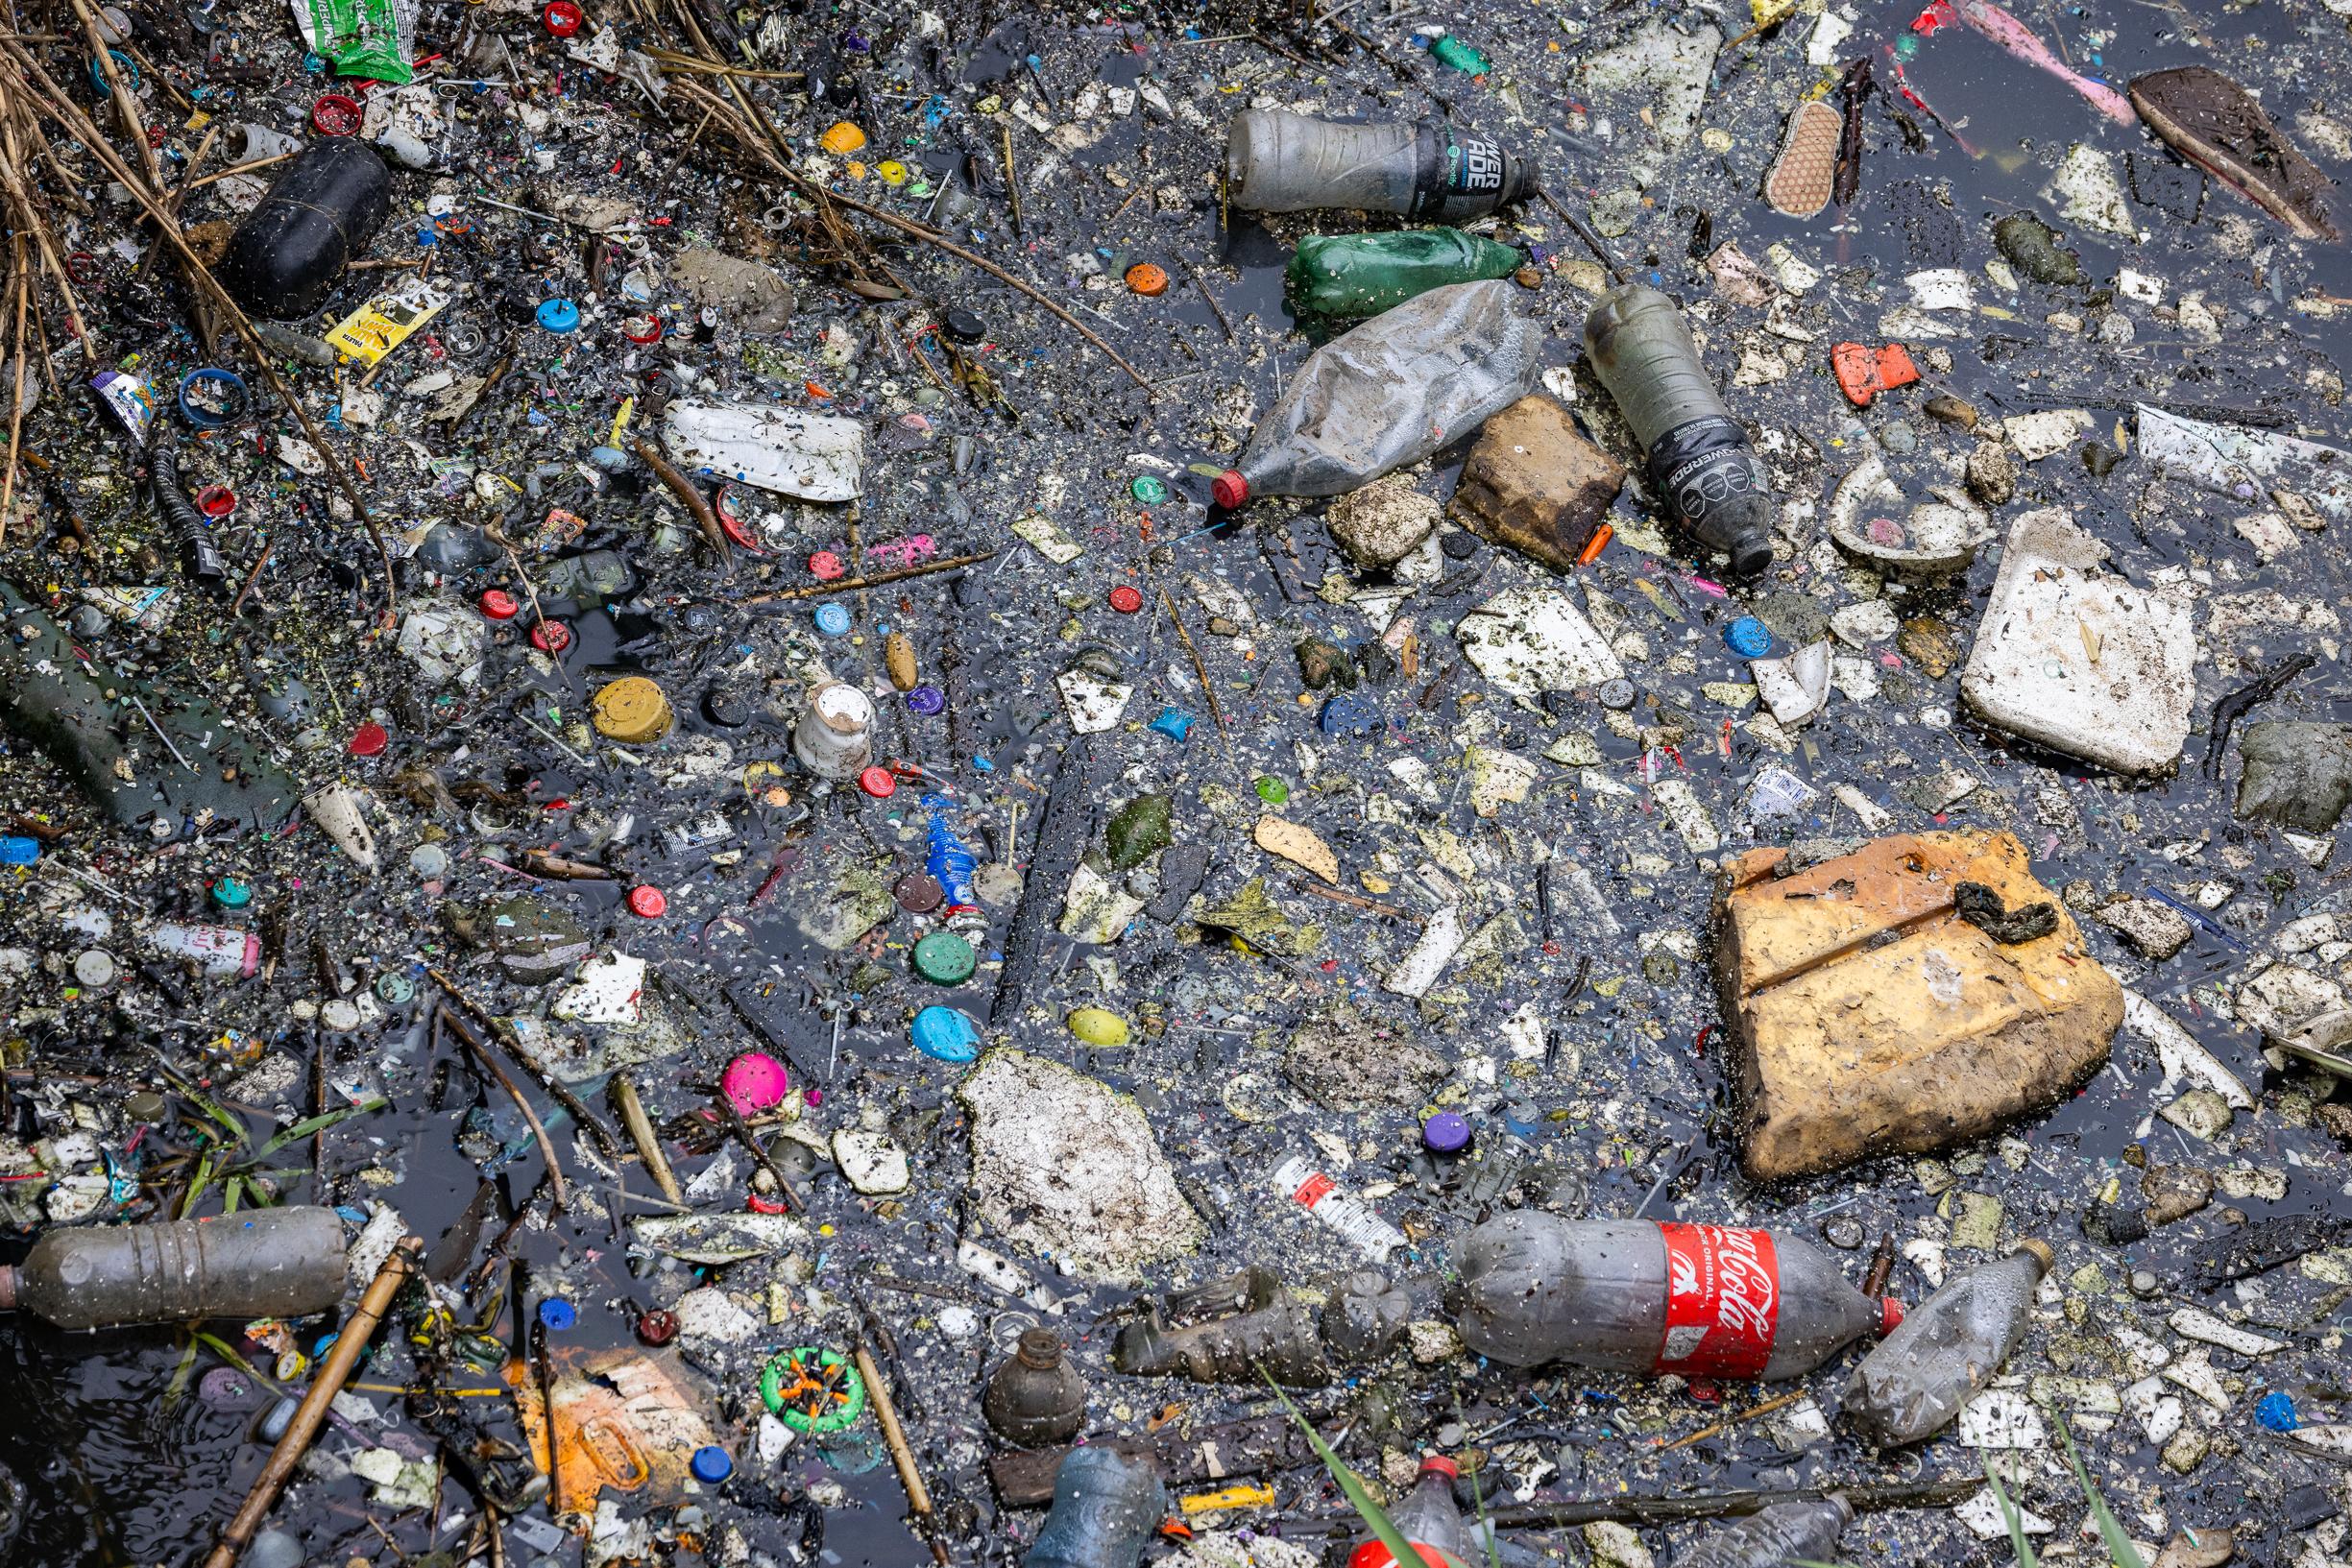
648 903
561 19
498 604
336 115
1126 600
1230 491
550 636
825 565
369 740
657 1327
1442 1464
878 783
1373 1554
1890 1315
216 500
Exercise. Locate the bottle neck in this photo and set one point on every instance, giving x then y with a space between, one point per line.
10 1278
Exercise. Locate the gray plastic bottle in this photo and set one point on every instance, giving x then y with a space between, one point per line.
1782 1534
1911 1386
270 1262
1276 161
1364 1314
1279 1338
1036 1397
1389 393
1699 461
1105 1507
1638 1297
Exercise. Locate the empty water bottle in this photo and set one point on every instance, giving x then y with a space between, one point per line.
1389 393
1336 277
1912 1386
1428 1518
1699 461
1782 1533
1638 1296
1105 1507
1036 1397
270 1262
1277 162
1364 1314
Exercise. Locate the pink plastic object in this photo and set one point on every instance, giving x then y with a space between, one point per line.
755 1082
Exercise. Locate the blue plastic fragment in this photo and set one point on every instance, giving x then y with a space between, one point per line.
17 849
1174 722
2276 1411
1346 715
945 1034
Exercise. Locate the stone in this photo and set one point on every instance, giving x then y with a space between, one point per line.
2200 1113
1065 1165
2078 660
2187 1450
1615 1546
1533 483
2175 1192
1381 523
754 298
1324 665
2296 775
1353 1063
1992 474
2156 930
1868 1017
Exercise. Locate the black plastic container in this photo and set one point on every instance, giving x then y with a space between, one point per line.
290 252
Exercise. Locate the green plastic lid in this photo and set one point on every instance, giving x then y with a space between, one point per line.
944 958
813 1389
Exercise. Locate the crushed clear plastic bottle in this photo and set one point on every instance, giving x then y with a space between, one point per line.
1782 1533
1105 1507
1428 1518
1389 393
1912 1386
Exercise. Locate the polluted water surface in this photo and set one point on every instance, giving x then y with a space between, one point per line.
851 784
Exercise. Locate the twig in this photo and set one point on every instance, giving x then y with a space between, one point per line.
692 498
846 584
504 1034
538 1130
242 168
179 197
1731 1422
1355 901
885 1413
641 1132
12 175
269 547
1013 179
1592 241
336 1370
1209 689
1216 310
16 404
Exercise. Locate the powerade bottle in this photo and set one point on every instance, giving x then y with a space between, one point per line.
1105 1507
1282 162
1700 463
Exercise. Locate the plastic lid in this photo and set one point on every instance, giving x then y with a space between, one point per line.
1373 1554
965 326
657 1327
232 892
498 604
1748 638
945 958
335 115
1230 490
1147 279
945 1034
1149 489
826 567
878 783
2040 1249
1448 1132
926 700
1890 1315
550 636
558 316
648 903
754 1083
1126 599
1440 1464
918 892
369 740
832 619
711 1465
631 710
558 1315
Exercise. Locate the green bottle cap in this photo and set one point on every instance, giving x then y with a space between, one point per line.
944 958
1273 790
1148 490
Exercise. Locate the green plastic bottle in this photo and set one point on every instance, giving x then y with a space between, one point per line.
1348 277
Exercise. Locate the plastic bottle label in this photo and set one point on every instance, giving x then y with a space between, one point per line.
1478 165
1723 1301
1694 466
1317 1194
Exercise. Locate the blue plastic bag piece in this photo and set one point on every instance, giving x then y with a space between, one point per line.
948 859
1346 715
945 1034
1174 722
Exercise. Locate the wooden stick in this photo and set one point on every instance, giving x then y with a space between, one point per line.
846 584
16 404
919 1496
648 1144
1200 671
1731 1422
509 1040
692 498
12 177
1355 901
311 1414
179 193
538 1130
202 181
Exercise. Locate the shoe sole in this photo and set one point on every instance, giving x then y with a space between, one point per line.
2216 124
1805 175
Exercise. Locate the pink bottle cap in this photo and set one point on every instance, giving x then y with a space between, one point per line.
755 1082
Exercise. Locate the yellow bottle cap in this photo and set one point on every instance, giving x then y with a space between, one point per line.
631 710
841 138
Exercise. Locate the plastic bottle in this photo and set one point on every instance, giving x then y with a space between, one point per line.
1389 393
250 143
1348 276
1277 162
1364 1314
218 950
290 250
1351 1216
1911 1386
1428 1517
1784 1533
1699 461
817 457
1105 1507
834 738
1640 1296
268 1263
1037 1398
1278 1339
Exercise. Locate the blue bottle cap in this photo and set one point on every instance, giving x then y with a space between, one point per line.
232 892
2276 1411
1346 715
1448 1132
1748 638
558 1315
1172 722
712 1465
17 849
945 1034
832 619
559 315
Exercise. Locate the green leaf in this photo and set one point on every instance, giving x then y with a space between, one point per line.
2120 1549
230 1190
301 1131
1375 1518
1478 1498
2010 1517
196 1184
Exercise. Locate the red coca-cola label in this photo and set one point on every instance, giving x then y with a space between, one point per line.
1314 1190
1723 1301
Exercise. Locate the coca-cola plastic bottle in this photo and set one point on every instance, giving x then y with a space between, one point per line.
1389 393
1640 1296
1912 1385
1429 1518
1782 1533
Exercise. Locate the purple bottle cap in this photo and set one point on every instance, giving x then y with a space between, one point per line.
1448 1132
926 700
